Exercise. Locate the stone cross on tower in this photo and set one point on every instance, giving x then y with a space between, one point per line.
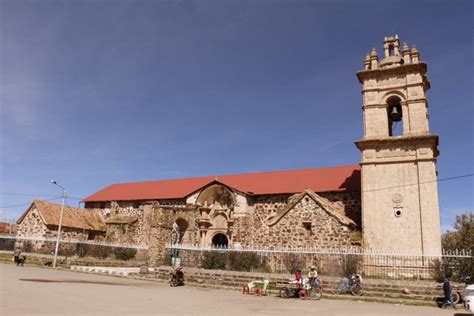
400 210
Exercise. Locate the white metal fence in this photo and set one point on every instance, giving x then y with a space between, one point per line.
72 241
333 261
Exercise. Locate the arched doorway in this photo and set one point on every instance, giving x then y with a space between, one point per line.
220 240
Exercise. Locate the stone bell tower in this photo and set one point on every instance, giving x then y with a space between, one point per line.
400 210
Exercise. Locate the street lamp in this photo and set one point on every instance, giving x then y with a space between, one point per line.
60 222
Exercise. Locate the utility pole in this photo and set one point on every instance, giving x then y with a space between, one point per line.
60 222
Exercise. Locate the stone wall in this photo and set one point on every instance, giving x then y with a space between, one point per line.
151 223
161 230
349 201
32 226
321 230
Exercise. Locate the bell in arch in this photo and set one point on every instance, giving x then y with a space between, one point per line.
395 114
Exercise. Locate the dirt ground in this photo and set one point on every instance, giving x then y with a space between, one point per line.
34 291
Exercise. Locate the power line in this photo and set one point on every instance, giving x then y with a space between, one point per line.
73 198
394 187
24 204
26 194
457 177
412 184
380 189
34 194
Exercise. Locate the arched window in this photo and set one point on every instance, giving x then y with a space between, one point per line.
391 50
395 116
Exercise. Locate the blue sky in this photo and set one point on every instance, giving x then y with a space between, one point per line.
99 92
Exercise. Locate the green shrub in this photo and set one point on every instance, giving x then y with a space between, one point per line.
7 244
125 253
243 261
96 251
67 250
80 250
214 260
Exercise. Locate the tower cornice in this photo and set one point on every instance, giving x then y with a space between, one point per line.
431 140
420 67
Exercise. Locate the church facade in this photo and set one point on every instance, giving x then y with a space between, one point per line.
298 208
388 202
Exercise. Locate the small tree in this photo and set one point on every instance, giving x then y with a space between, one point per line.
461 239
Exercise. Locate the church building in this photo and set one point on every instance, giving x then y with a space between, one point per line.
386 203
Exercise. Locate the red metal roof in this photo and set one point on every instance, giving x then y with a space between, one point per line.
275 182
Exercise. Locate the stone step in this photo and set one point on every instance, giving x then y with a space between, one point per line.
376 290
369 296
389 300
327 282
376 294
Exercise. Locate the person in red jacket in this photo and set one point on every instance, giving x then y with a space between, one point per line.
298 276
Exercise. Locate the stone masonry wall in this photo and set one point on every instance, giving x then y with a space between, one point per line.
323 231
154 223
350 201
33 226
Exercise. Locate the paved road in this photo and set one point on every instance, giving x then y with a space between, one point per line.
34 291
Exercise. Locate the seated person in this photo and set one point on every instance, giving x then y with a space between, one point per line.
313 276
298 276
355 278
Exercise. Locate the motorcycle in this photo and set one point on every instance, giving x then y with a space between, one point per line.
177 277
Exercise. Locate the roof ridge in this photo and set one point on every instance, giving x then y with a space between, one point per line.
321 179
235 174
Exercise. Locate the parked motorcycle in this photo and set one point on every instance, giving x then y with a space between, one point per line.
177 277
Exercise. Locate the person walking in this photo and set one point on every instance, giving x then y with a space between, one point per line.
16 256
448 295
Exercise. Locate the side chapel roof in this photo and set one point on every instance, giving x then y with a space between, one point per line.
341 178
88 219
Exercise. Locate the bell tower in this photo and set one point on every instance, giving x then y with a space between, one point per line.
400 210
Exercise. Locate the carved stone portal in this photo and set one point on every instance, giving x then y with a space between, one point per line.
216 206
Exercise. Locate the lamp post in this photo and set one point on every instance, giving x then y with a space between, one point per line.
60 222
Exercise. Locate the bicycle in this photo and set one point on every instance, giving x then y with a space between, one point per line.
315 290
353 286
